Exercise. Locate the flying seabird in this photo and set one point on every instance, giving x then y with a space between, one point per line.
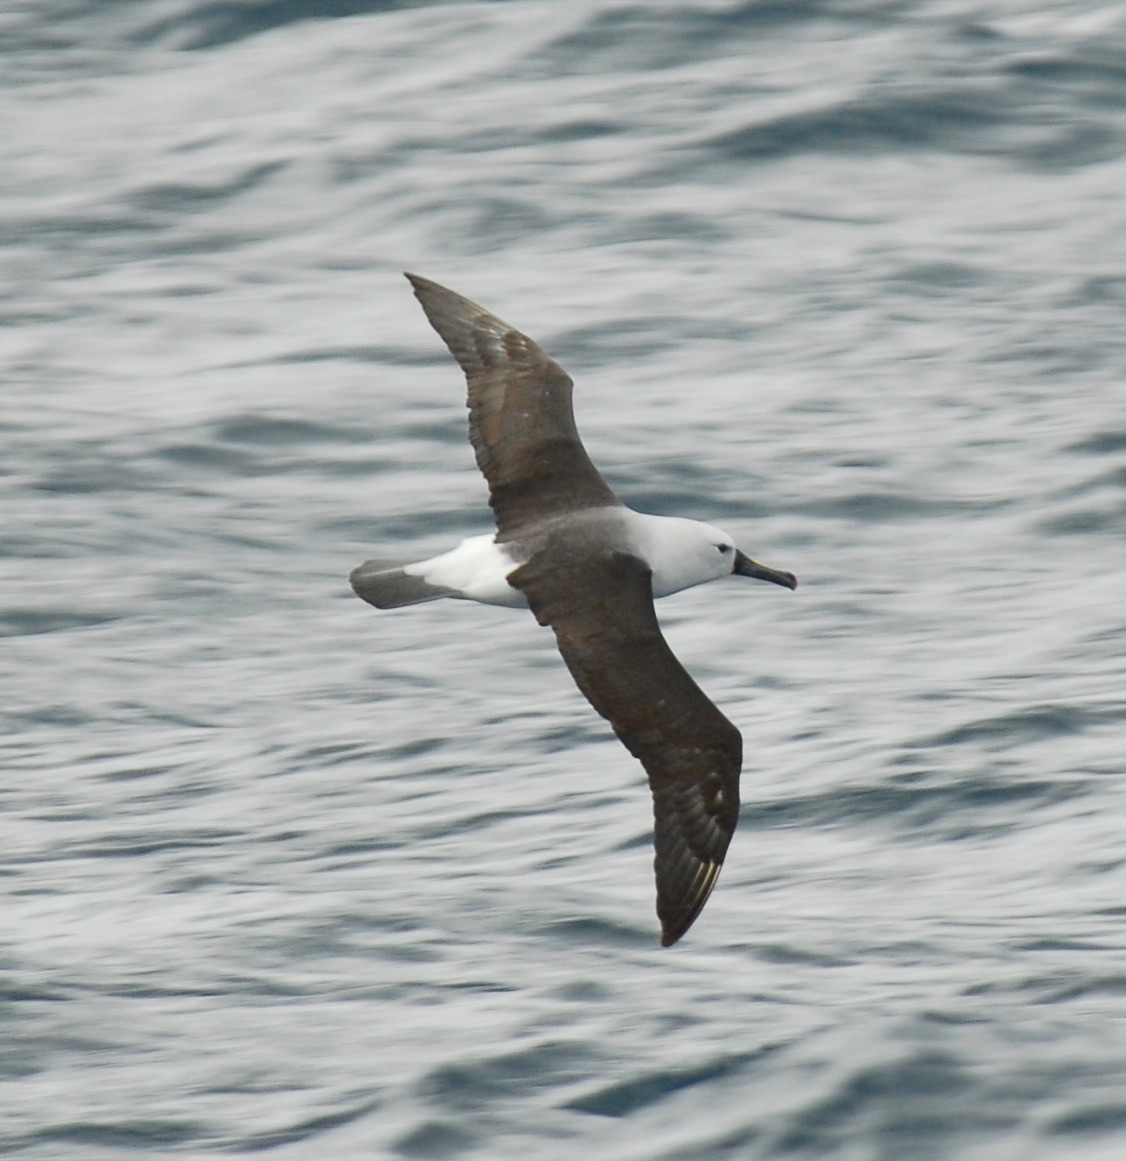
567 548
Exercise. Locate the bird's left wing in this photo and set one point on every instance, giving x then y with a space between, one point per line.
521 422
601 609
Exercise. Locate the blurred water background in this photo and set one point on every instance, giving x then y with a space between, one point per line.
282 874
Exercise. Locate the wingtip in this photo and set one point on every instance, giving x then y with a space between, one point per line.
428 292
677 927
678 910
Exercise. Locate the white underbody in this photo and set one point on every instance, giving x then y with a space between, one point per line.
477 570
681 553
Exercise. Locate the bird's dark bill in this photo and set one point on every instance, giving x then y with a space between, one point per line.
745 566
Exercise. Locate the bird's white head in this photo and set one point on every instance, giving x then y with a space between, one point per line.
683 553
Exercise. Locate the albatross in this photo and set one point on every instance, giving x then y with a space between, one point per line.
589 567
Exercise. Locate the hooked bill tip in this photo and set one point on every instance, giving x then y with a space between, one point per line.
745 566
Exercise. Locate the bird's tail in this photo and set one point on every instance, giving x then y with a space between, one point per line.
385 584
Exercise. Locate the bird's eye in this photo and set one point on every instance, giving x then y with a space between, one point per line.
724 547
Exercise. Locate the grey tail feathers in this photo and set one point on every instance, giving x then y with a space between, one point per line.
383 583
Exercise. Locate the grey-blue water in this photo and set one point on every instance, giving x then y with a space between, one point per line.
282 874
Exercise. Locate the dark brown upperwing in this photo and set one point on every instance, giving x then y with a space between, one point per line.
601 609
521 423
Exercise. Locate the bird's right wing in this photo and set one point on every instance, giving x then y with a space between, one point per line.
521 423
601 609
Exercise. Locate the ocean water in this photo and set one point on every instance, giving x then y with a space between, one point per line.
286 876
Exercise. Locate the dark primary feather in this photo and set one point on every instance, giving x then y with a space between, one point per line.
601 609
521 423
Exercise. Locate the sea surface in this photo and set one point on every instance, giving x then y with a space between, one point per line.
284 876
